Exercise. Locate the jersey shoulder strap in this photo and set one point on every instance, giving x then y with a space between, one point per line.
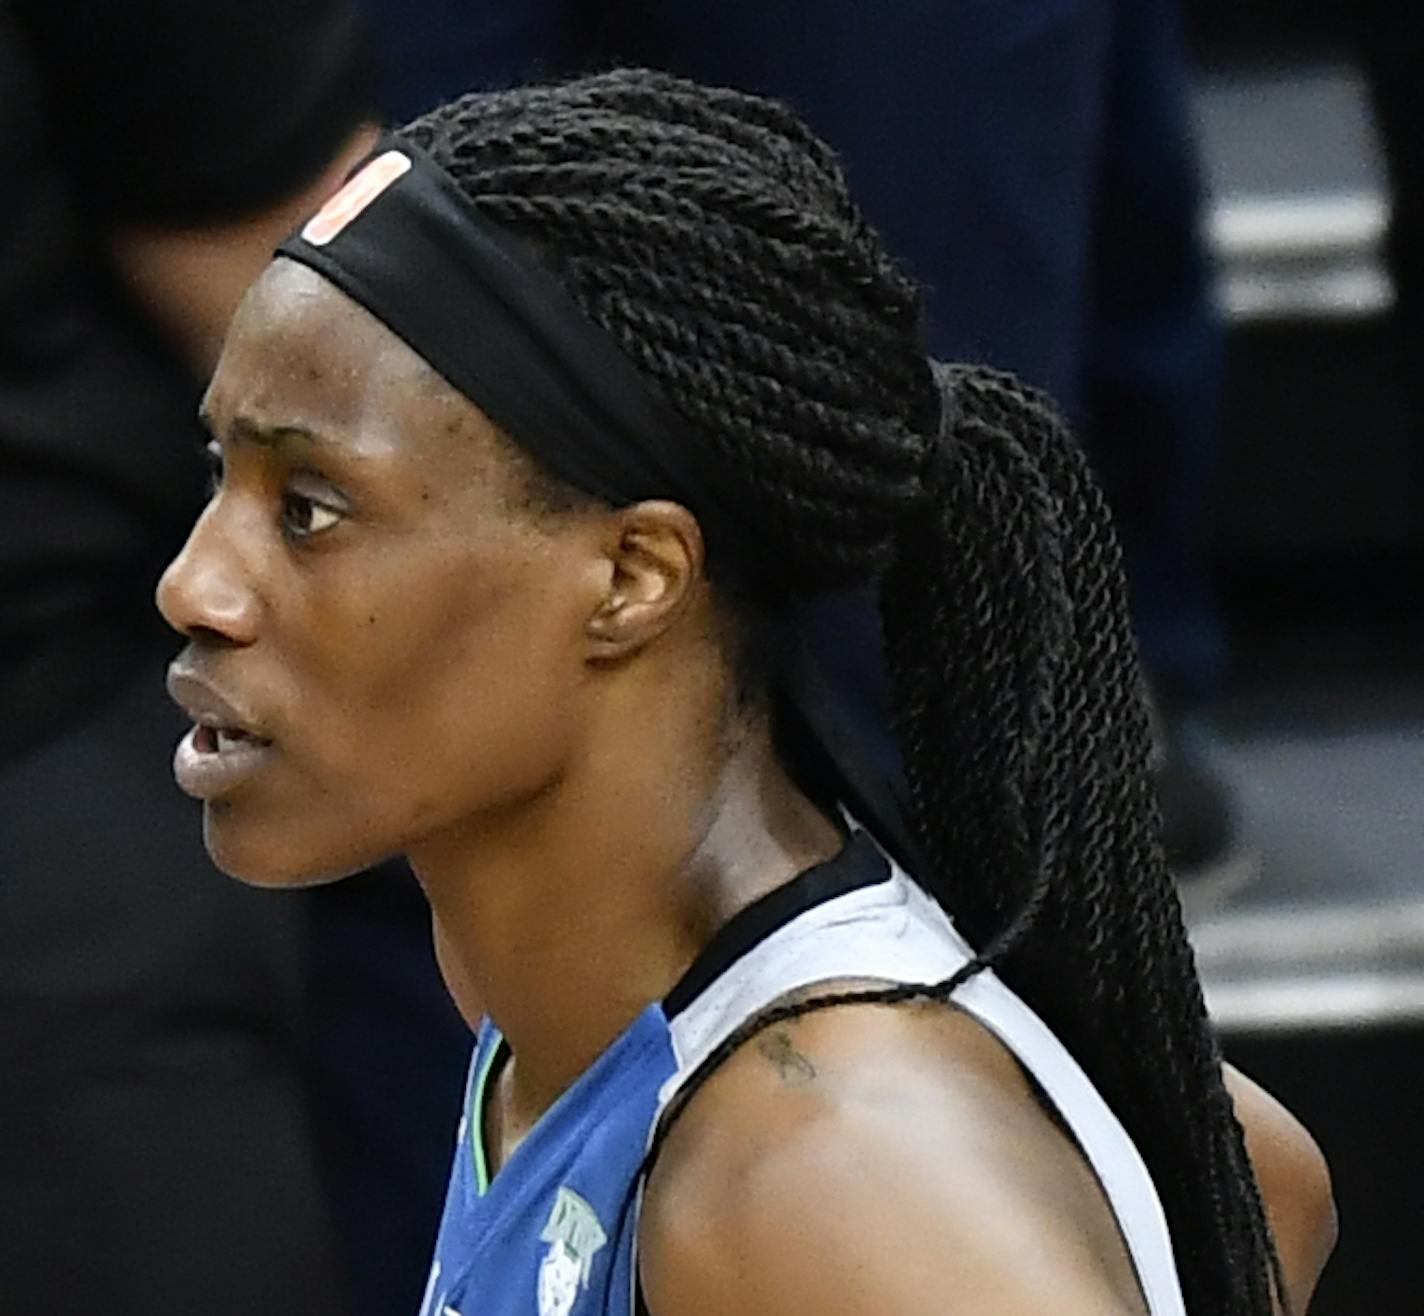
862 917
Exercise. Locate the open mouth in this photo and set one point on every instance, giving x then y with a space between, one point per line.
219 754
213 760
209 739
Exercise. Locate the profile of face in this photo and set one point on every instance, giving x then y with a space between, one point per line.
386 643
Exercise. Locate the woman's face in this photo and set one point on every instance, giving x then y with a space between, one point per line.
384 642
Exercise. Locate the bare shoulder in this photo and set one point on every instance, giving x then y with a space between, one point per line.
872 1160
1295 1184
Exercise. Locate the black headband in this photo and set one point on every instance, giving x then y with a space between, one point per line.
402 240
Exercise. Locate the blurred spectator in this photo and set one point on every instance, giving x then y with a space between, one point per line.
154 1150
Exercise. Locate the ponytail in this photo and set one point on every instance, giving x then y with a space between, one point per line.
1026 742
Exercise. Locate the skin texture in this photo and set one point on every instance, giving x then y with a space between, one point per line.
809 1175
1295 1185
536 707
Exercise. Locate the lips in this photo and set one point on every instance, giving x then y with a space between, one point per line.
206 705
225 747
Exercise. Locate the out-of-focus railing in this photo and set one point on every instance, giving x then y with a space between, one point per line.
1299 202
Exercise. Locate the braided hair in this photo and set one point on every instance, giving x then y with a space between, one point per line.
711 234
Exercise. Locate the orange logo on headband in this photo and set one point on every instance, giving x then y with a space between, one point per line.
358 193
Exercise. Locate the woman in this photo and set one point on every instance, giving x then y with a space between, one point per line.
535 443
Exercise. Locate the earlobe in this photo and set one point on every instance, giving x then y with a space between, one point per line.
656 561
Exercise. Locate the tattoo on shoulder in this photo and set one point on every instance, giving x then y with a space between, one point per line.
791 1066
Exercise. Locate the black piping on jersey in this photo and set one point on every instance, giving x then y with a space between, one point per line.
859 864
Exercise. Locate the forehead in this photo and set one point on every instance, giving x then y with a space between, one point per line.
301 353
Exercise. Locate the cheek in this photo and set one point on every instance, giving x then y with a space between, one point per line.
436 700
461 724
462 702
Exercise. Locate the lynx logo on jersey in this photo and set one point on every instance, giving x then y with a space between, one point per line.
574 1237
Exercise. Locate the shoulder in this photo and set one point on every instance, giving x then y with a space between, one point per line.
872 1160
1295 1184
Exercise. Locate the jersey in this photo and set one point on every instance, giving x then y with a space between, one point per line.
554 1233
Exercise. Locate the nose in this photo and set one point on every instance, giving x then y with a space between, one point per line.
205 589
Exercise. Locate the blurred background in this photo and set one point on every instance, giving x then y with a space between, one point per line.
1310 144
1198 226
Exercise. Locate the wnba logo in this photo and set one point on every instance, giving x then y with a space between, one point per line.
358 193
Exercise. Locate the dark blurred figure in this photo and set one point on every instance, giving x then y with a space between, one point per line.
155 1156
1031 161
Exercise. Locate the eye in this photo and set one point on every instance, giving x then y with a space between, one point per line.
304 517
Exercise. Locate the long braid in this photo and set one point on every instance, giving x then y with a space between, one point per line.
712 236
974 660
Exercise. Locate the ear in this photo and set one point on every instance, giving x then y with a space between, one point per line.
656 556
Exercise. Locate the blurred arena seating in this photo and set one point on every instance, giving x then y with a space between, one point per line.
1315 970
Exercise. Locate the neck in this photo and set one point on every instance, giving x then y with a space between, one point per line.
563 919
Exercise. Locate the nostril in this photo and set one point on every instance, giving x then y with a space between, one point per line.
209 636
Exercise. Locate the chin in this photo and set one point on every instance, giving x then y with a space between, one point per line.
264 857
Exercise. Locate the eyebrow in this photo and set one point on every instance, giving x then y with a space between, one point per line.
245 429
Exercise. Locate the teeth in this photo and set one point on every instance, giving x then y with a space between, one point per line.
229 739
